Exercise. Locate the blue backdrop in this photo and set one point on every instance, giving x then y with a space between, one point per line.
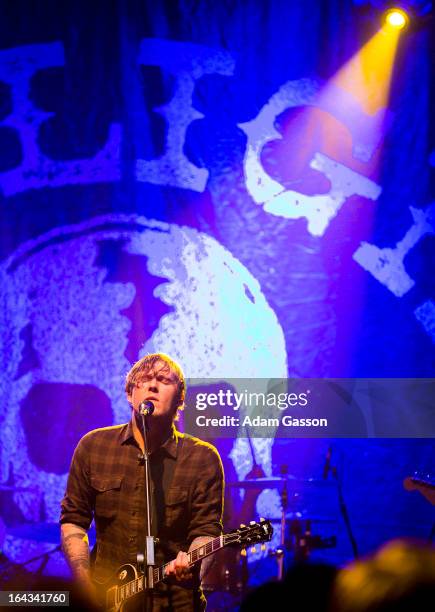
173 177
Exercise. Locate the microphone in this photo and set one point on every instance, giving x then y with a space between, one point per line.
327 465
146 408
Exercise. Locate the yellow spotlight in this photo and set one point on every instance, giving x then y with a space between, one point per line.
396 18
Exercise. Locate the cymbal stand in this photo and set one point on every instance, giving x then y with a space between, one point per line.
302 545
44 556
284 506
279 552
344 512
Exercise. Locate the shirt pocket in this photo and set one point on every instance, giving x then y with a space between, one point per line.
107 494
176 510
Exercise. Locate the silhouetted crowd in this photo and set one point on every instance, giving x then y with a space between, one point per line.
399 577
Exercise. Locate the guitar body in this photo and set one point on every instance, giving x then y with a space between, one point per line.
124 575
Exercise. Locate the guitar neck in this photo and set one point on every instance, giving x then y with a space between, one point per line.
195 555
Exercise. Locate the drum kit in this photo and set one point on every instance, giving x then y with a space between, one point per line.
228 576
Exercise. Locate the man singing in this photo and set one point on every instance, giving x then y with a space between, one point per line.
106 482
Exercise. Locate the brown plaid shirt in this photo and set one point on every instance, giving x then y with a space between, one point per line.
106 482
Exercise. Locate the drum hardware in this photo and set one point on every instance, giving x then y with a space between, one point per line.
277 552
302 542
14 489
227 580
224 573
284 506
300 536
316 542
231 571
41 532
279 482
37 532
44 557
296 527
337 478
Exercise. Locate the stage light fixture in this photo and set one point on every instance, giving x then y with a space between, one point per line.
396 18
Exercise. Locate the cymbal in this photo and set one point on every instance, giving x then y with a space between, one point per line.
260 483
5 487
304 516
272 482
42 532
38 532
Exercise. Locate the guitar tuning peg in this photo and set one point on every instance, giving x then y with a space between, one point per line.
243 552
242 525
252 522
262 519
263 547
253 549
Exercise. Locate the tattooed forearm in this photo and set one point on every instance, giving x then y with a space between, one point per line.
76 550
80 536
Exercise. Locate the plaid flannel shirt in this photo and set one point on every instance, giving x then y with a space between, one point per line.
106 482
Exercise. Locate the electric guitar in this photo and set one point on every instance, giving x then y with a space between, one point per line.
423 483
128 582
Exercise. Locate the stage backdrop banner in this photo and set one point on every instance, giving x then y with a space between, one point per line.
232 183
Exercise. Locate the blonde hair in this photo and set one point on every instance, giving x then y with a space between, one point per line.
145 364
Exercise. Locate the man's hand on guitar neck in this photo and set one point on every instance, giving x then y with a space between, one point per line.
179 567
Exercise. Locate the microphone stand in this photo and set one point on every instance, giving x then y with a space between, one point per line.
146 561
344 512
342 504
